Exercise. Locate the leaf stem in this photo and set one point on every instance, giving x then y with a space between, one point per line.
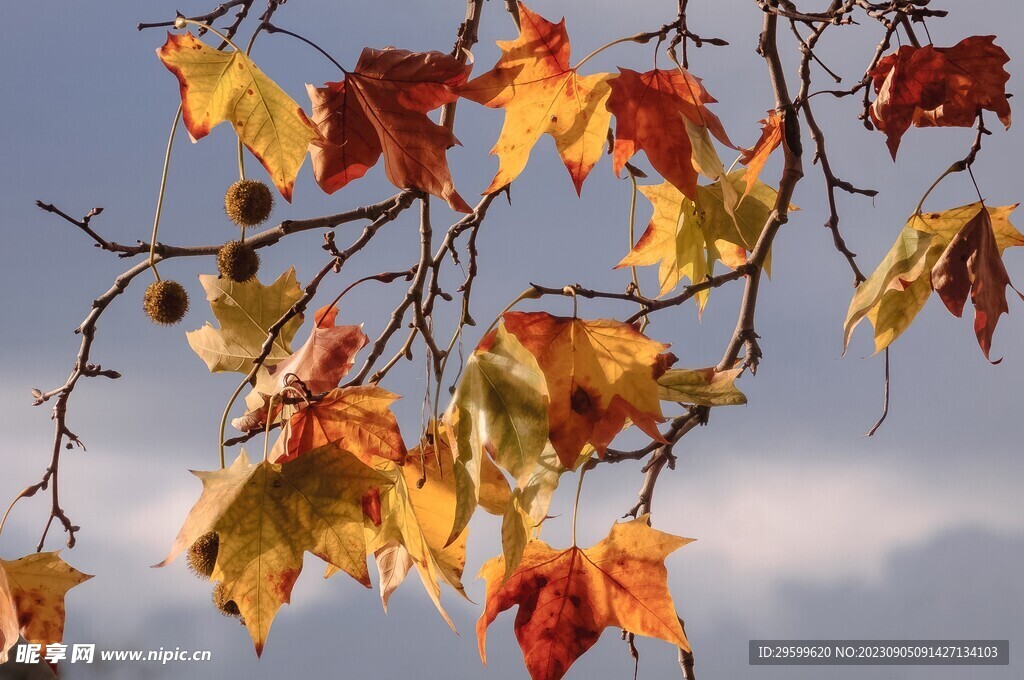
641 38
11 507
960 165
528 294
632 230
224 419
163 189
576 503
270 28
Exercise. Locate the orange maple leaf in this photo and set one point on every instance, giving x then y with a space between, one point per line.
358 419
649 111
770 139
598 373
567 598
381 108
541 93
971 264
939 87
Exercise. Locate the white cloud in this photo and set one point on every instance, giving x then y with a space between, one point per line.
823 516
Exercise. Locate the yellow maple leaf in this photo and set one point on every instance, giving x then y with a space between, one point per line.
267 515
599 374
688 236
703 386
246 311
566 598
32 591
9 628
220 85
542 93
417 514
891 298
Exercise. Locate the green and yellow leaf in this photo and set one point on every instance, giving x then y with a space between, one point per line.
267 515
701 386
219 86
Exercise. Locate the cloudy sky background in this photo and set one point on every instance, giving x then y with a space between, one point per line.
805 528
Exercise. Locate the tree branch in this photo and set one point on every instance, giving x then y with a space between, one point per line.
792 172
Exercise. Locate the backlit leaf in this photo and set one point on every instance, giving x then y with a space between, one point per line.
939 86
246 311
35 587
651 111
267 515
566 598
381 109
702 386
598 373
541 93
226 85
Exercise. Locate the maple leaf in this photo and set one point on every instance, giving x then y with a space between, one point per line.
381 108
939 87
897 290
688 236
9 627
755 157
567 598
598 374
319 365
218 86
326 357
702 386
542 93
651 110
267 515
357 418
417 514
516 527
32 591
972 264
501 405
246 311
478 481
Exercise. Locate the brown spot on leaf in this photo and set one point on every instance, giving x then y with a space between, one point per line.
580 401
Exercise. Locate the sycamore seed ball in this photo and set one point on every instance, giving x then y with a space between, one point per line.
248 202
237 261
224 606
202 555
165 302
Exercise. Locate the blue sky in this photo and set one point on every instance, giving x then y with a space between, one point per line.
805 528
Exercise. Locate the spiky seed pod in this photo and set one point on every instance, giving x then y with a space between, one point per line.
165 302
202 555
248 202
237 261
224 606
